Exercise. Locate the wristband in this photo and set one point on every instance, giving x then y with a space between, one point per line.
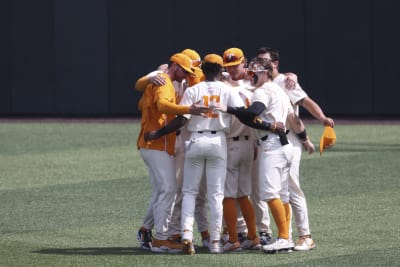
302 136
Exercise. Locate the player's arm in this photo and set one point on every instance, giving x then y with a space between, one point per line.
141 83
249 116
164 97
173 126
290 81
167 107
315 110
154 77
297 125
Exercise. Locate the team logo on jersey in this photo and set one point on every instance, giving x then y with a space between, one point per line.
245 99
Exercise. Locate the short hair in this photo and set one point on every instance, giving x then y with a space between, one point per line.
274 53
211 69
264 63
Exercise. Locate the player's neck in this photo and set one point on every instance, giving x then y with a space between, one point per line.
275 73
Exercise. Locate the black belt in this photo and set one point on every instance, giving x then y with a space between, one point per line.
282 138
212 132
237 138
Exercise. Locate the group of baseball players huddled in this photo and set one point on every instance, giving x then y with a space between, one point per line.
222 140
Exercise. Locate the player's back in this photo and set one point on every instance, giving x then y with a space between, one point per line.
208 94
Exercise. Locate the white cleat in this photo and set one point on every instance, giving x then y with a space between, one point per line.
215 247
278 245
304 243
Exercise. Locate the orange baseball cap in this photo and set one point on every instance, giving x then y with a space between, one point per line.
182 60
233 56
194 56
328 139
213 58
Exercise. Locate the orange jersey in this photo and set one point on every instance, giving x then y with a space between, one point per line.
158 107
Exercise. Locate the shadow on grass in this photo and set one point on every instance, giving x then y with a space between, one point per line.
94 251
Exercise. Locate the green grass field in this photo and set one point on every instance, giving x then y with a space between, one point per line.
74 194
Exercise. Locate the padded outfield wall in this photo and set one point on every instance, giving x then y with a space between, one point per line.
82 57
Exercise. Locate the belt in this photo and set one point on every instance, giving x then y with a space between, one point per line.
237 138
212 132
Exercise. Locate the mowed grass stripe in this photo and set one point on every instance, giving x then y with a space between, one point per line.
52 216
68 166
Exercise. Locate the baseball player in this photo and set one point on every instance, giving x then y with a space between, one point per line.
240 147
271 106
158 107
205 150
297 198
238 78
155 78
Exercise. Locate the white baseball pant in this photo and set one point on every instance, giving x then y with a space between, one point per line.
161 169
204 152
297 197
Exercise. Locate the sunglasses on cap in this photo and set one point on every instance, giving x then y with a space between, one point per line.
231 58
196 62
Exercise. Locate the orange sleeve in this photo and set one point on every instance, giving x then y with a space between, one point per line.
141 83
166 101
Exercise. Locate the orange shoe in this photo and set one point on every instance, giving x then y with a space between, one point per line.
165 246
176 238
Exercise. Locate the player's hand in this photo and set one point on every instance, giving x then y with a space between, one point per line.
290 81
278 127
308 146
197 109
219 107
152 135
328 122
157 80
163 67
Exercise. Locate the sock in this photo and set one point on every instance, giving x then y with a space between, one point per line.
230 217
279 214
288 215
249 216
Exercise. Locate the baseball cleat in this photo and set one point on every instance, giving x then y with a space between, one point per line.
187 247
232 247
265 238
278 245
251 244
242 236
177 238
206 242
304 243
215 247
291 245
225 238
144 237
165 246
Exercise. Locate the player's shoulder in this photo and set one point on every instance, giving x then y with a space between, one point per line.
269 86
280 80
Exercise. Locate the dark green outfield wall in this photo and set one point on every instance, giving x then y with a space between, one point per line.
82 57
